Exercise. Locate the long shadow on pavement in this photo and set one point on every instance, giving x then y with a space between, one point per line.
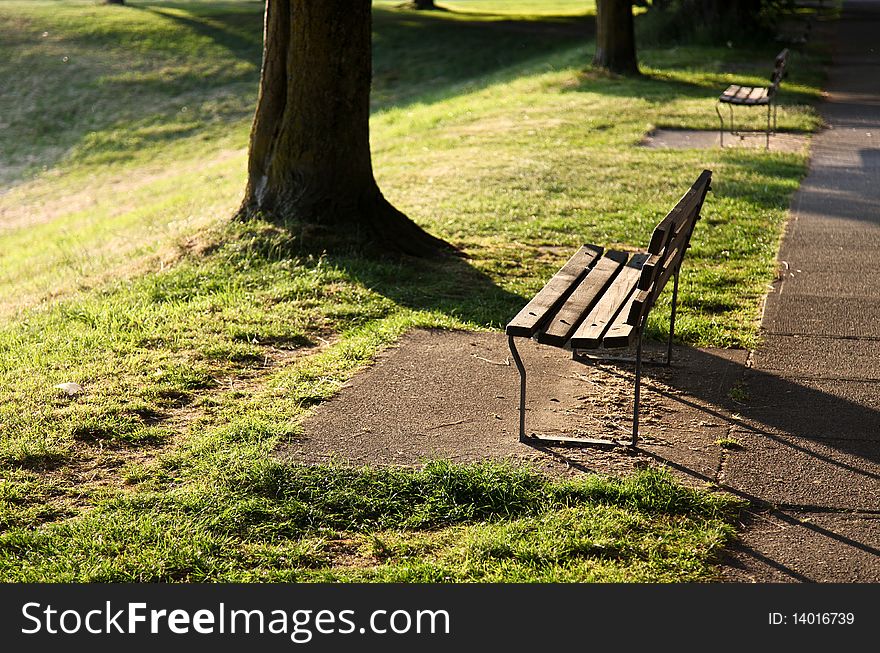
805 453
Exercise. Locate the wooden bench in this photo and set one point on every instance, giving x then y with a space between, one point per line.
601 301
754 96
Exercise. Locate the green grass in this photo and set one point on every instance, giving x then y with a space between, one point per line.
264 521
201 344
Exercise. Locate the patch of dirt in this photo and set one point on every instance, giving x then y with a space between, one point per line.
347 553
505 124
93 470
95 467
691 139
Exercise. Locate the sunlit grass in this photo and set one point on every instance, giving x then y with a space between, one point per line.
262 521
200 344
504 8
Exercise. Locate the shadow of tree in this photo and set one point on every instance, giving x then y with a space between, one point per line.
449 284
792 413
417 58
426 56
238 31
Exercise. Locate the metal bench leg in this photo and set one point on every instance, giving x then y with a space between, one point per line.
672 317
522 387
768 127
721 130
562 440
635 437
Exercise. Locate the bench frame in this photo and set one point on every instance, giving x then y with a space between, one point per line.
669 242
768 99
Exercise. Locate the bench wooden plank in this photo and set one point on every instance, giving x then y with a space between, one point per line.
566 319
639 306
757 93
621 333
554 293
756 96
643 300
729 92
692 197
743 93
668 227
656 263
662 264
590 332
649 271
681 226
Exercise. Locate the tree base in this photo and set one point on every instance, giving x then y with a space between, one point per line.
627 67
611 72
378 229
421 5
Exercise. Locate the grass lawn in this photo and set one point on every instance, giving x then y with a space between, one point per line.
200 344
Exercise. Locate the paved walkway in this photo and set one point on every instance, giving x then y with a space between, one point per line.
812 444
803 408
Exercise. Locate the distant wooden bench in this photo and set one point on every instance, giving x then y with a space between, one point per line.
599 301
754 96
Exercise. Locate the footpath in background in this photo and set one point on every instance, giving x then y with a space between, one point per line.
814 449
793 427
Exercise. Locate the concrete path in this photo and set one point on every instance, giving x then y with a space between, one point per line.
701 139
794 427
812 440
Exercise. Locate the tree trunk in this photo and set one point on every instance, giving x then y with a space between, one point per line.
615 37
309 158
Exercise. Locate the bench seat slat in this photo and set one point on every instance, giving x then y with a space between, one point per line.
747 95
565 320
554 293
758 93
589 334
729 92
621 333
743 93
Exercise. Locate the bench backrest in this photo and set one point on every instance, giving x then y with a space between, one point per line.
779 66
670 240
